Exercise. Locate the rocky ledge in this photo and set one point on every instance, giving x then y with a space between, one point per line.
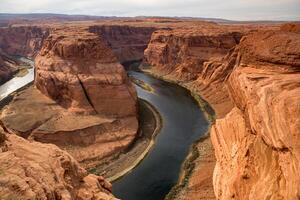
32 170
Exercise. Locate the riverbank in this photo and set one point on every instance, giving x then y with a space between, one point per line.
195 181
201 155
119 165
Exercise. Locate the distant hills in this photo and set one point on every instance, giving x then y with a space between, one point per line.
6 18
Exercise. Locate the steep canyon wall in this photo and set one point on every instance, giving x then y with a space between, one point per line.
255 92
127 42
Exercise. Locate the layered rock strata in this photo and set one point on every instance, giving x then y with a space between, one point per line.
179 55
32 170
127 42
22 40
255 93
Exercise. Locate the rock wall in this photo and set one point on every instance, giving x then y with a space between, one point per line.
31 170
179 55
127 42
255 92
22 40
8 67
257 142
81 73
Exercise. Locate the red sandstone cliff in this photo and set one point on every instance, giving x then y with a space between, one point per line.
80 72
127 42
179 55
257 142
22 40
255 93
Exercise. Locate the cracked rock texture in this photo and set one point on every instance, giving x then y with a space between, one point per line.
32 170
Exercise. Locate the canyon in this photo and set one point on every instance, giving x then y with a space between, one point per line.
83 103
254 91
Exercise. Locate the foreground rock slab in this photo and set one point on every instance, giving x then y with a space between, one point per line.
32 170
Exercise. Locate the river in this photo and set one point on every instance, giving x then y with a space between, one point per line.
183 124
17 82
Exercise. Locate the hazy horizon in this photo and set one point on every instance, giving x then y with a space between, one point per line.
287 10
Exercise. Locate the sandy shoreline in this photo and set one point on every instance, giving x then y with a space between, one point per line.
115 167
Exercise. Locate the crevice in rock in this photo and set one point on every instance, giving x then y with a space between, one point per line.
277 149
86 94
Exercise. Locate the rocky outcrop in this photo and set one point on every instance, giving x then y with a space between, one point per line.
255 93
83 100
31 170
127 42
81 73
22 40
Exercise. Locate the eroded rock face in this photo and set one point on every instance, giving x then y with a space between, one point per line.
127 42
81 73
180 54
22 40
31 170
255 91
257 143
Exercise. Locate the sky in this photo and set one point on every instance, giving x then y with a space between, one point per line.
226 9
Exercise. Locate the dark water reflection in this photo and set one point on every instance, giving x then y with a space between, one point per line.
183 123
